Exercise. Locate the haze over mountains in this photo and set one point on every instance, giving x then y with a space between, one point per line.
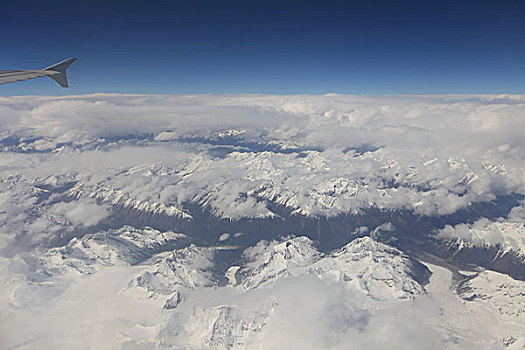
258 221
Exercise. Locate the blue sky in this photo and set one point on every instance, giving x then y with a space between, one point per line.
283 47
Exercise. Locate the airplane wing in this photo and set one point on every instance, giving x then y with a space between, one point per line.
57 72
10 76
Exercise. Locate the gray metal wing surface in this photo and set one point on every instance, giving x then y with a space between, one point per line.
57 72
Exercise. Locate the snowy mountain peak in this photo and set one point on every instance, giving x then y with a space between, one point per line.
123 246
186 268
268 261
370 267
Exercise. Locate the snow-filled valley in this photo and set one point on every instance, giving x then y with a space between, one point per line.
262 222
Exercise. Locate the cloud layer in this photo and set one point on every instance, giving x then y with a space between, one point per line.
317 155
70 165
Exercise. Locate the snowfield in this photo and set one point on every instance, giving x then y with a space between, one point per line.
262 222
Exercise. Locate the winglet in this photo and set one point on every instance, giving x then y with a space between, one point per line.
60 77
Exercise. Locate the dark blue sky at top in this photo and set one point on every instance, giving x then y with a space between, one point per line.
353 46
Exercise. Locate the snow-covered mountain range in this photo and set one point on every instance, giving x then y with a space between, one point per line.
261 222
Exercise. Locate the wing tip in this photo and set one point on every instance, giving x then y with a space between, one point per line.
60 68
62 65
